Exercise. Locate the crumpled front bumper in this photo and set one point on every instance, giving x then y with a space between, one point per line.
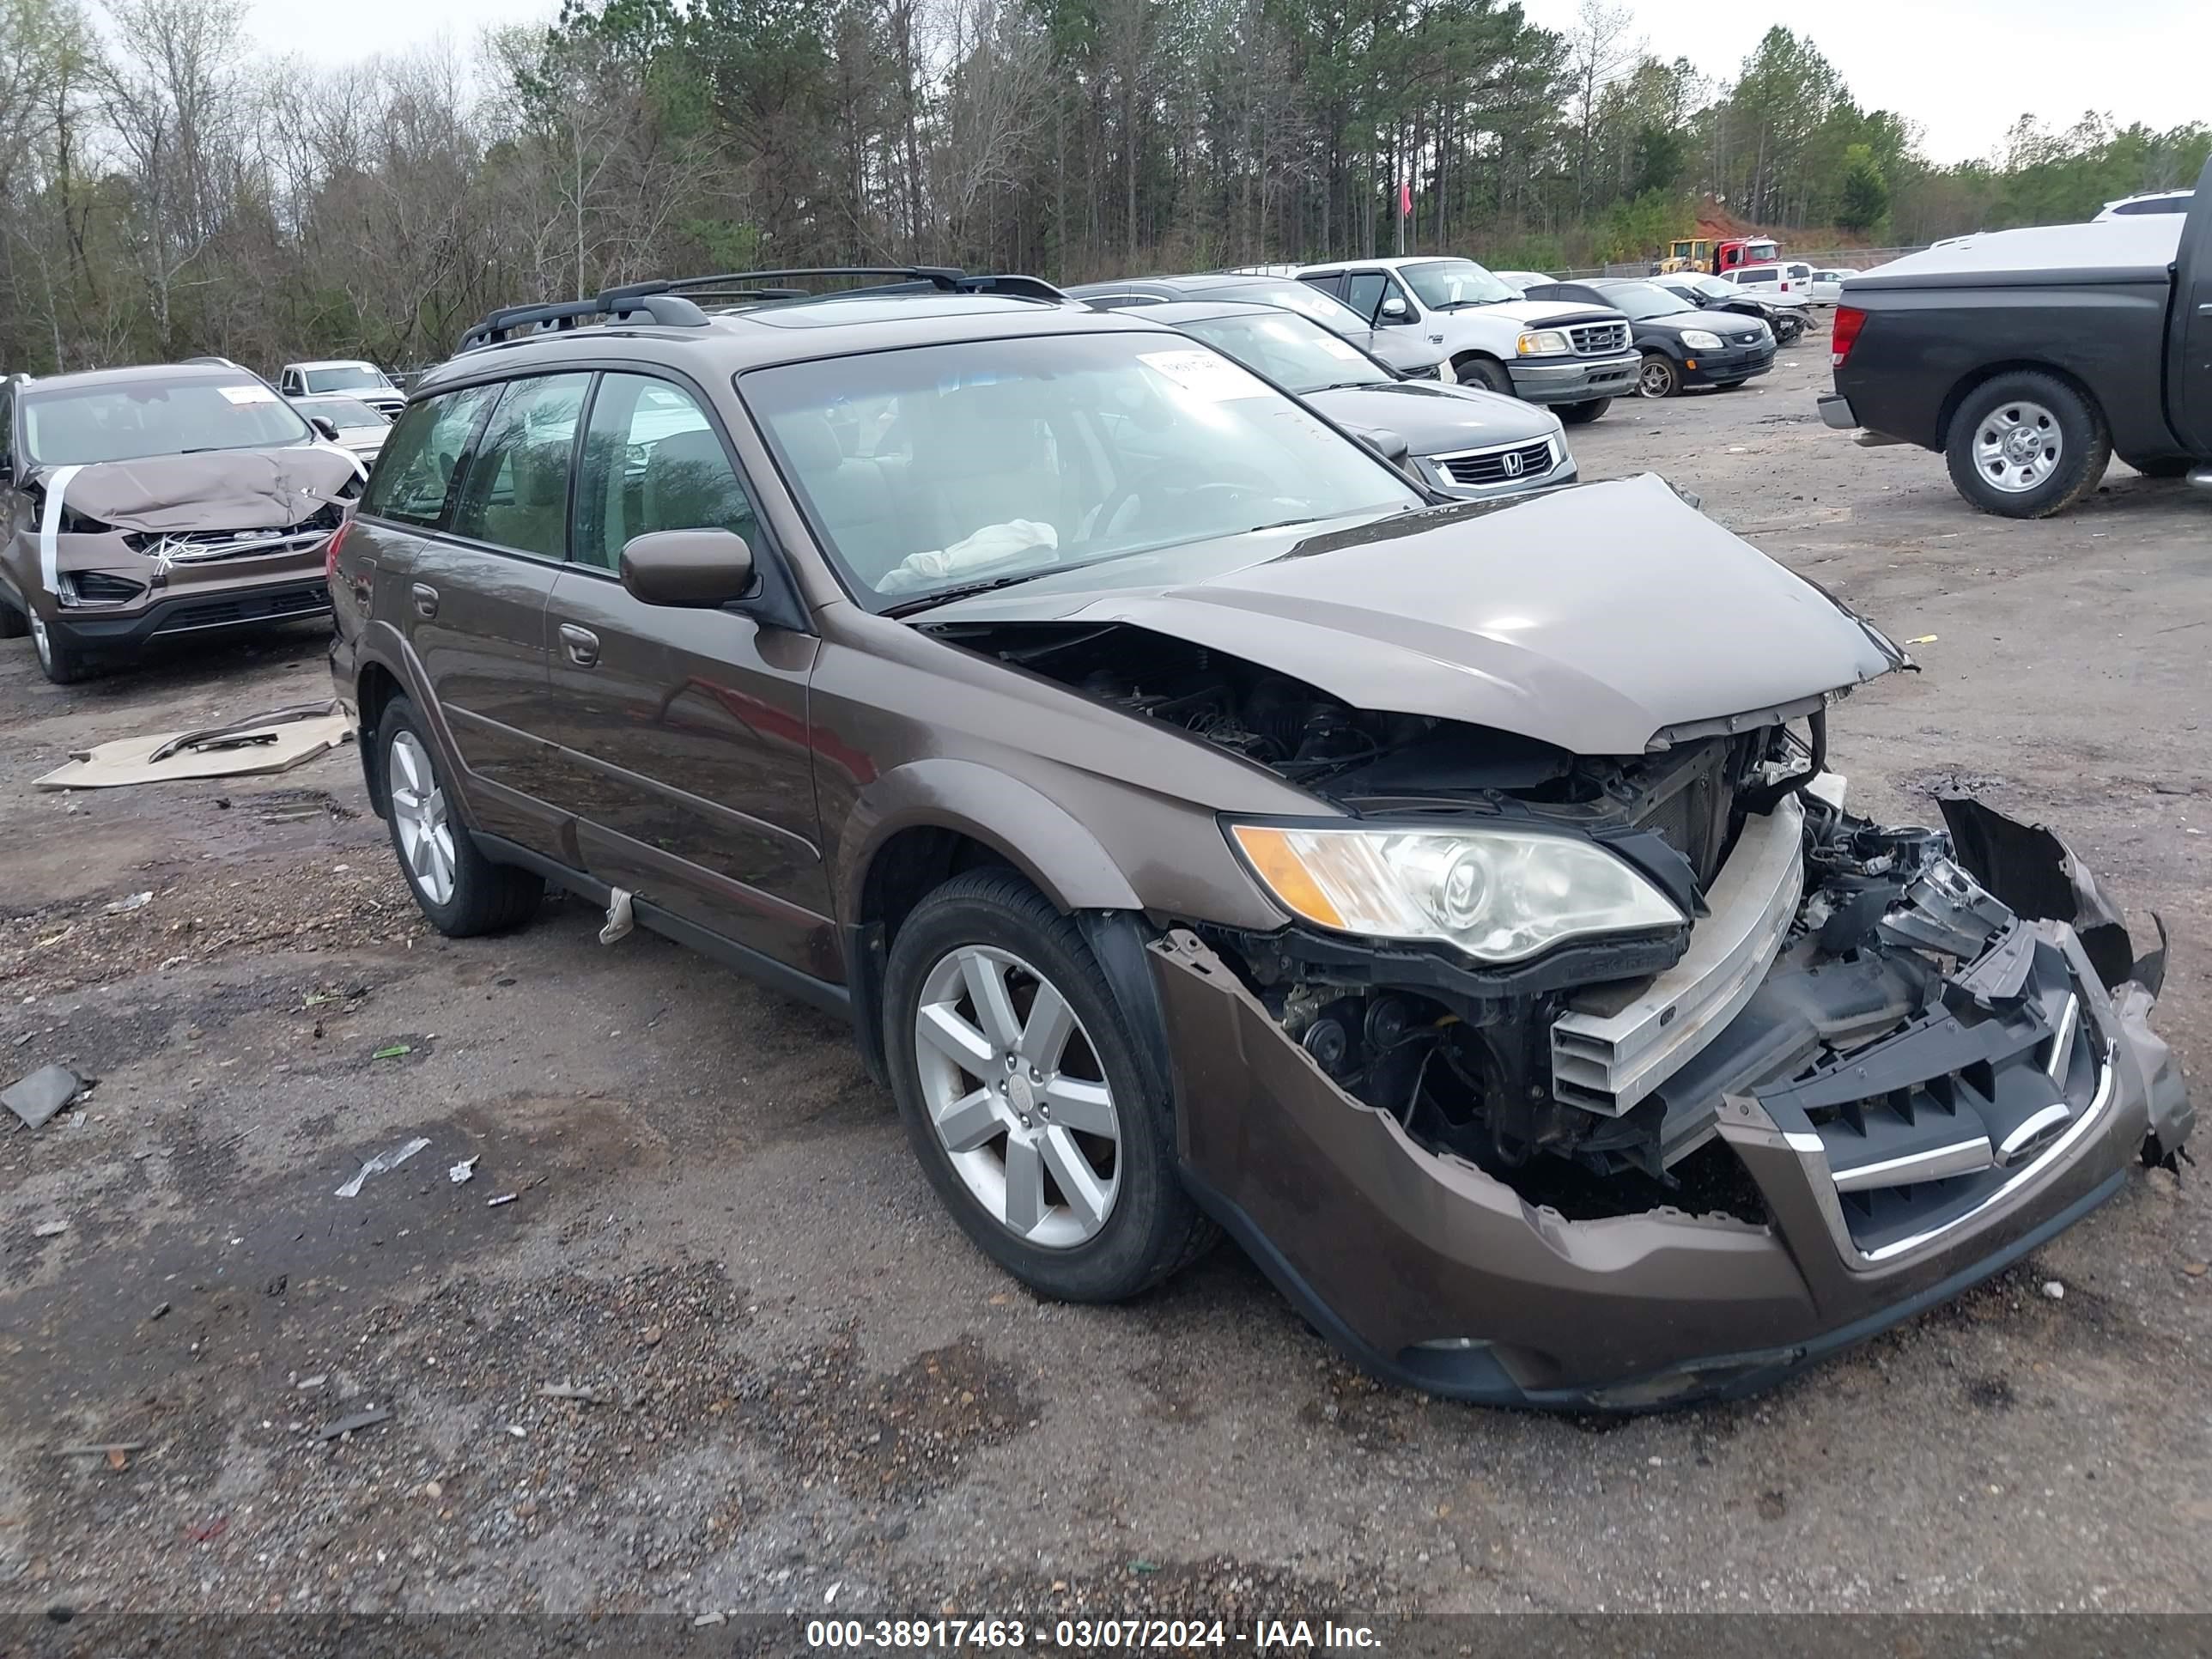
1435 1274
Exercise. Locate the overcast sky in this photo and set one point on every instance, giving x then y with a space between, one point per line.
1963 69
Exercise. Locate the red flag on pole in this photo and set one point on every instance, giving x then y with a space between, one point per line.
1405 199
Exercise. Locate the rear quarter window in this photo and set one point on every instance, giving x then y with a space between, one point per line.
414 473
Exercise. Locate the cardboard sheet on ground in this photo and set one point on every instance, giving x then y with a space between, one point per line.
240 751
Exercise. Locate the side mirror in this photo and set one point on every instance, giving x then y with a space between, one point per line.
1388 444
699 569
326 425
1392 310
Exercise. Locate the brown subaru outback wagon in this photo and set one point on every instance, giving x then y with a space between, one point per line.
1204 827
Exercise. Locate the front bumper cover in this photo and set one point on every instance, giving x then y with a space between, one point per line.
1434 1274
1549 381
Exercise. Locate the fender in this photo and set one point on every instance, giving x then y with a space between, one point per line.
381 644
1037 836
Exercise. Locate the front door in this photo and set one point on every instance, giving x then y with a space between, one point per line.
2192 356
683 733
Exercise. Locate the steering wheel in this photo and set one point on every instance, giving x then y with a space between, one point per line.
1207 483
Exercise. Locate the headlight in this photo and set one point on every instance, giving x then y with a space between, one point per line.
1542 341
1699 339
1499 895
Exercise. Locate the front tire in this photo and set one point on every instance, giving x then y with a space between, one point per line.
1485 372
13 625
59 660
2026 445
461 892
1583 413
1658 377
1018 1079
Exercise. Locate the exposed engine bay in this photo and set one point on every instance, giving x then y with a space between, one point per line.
1868 953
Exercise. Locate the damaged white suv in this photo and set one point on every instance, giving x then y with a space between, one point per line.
151 503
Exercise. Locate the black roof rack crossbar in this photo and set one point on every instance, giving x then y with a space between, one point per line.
669 310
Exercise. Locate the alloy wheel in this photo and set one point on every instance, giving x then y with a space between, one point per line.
2017 446
1655 380
418 811
1016 1095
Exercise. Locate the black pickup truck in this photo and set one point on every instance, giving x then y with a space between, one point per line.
2027 358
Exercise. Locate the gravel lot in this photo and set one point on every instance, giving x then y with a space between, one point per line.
808 1382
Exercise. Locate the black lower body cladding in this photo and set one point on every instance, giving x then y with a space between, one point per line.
1916 1083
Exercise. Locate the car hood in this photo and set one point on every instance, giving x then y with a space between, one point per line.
1544 310
1601 618
1433 419
215 489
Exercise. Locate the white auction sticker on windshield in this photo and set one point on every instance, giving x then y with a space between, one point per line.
1204 374
248 394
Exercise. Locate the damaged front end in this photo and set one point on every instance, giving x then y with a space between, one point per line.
1875 1064
118 552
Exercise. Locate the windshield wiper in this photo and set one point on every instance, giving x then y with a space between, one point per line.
946 595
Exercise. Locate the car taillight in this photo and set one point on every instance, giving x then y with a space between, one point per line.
1843 334
331 550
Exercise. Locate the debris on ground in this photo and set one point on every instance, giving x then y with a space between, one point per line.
504 1198
208 1531
383 1161
36 1097
567 1391
161 1312
50 1230
308 1383
101 1449
1922 639
619 919
464 1170
363 1419
274 742
137 900
2054 1289
393 1051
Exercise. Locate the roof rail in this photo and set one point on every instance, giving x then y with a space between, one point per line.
650 300
770 285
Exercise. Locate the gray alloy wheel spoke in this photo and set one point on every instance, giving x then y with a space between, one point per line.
943 1029
1045 1034
969 1122
1078 1181
994 1007
1024 1204
999 1055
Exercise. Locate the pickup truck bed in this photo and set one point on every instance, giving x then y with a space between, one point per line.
2029 357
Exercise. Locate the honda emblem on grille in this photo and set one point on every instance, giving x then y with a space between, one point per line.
1511 460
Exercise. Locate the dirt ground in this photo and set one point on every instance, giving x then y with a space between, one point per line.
810 1391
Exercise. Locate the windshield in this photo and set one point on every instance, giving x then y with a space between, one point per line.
1641 300
131 422
347 377
1444 284
1713 289
1331 312
1290 351
940 467
343 411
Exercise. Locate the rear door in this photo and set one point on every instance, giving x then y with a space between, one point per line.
470 594
683 733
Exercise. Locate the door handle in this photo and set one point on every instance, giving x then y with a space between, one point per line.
426 599
581 644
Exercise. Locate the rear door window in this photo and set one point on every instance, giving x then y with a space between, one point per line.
414 472
515 492
653 461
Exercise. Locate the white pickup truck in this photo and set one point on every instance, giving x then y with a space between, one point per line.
1578 358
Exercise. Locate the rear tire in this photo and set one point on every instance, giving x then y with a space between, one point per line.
461 892
2026 445
1583 414
1486 373
59 660
965 1119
